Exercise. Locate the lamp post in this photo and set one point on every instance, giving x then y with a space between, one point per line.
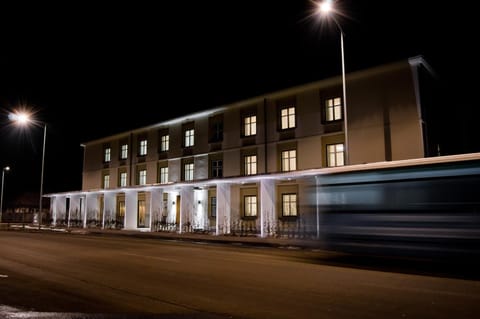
5 169
325 8
23 119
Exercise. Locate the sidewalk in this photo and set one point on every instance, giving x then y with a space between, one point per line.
291 243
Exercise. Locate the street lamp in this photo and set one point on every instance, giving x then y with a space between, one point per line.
23 118
5 169
325 8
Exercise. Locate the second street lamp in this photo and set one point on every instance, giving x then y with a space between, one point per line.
23 119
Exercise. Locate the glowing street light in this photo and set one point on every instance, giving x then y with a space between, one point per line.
327 9
24 118
5 169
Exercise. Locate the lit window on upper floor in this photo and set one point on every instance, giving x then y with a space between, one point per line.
335 155
250 125
124 151
142 177
164 143
250 164
107 153
189 135
188 172
106 181
142 150
123 179
289 160
163 175
333 109
287 117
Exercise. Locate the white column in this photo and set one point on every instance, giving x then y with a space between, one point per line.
91 207
74 210
200 214
131 209
223 209
268 220
60 208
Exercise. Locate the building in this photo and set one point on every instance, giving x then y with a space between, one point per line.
248 168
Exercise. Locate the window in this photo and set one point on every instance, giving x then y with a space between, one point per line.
250 125
250 206
141 213
213 206
217 168
107 152
106 181
121 208
335 155
287 118
123 179
289 160
289 204
333 109
189 137
188 172
143 148
250 164
142 177
163 175
215 124
164 143
124 151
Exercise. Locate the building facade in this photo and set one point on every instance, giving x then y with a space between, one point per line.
248 168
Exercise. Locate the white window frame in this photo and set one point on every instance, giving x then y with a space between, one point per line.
335 155
124 151
165 143
250 125
188 169
189 137
164 175
123 179
289 160
333 109
290 205
143 147
250 206
106 181
287 117
107 154
142 177
250 164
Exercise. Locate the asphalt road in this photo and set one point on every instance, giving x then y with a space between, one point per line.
52 275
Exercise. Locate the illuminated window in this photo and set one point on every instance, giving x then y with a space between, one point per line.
287 117
335 155
217 168
163 175
143 148
124 151
289 204
121 208
142 177
250 163
289 160
106 181
141 213
189 137
188 172
123 179
333 109
250 125
213 206
250 206
107 152
165 143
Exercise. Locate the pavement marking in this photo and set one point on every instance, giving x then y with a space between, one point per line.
3 276
154 257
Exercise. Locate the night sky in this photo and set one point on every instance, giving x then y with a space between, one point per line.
90 70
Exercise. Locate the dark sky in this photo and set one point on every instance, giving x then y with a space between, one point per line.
90 70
